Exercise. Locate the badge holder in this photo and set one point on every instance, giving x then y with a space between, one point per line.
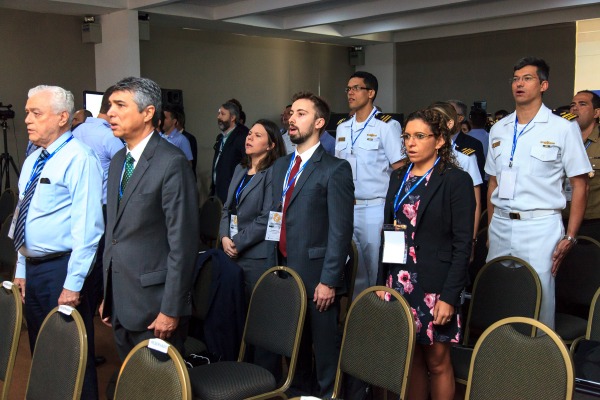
394 243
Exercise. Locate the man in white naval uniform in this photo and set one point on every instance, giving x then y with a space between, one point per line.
530 153
371 143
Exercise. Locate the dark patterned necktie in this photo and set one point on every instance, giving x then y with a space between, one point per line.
129 160
19 236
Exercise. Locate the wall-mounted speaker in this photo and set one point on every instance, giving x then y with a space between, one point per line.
172 96
356 55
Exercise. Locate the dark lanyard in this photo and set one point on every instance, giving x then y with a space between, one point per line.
241 188
396 202
515 138
352 140
47 159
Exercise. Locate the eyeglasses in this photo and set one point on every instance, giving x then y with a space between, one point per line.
418 136
525 79
355 88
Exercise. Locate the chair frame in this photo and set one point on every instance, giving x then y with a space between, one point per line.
280 392
12 356
524 264
588 330
182 372
538 326
411 345
82 354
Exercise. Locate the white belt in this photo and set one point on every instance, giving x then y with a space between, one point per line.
369 202
524 214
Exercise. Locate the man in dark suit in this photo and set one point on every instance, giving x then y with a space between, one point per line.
151 231
315 193
229 149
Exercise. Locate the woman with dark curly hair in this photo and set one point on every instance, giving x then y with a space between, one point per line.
430 208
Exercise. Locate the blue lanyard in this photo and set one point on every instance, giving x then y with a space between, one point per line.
47 159
396 202
363 128
241 188
587 143
515 138
287 184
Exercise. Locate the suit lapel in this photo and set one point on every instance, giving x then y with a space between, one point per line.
251 185
279 171
432 186
139 171
113 184
308 170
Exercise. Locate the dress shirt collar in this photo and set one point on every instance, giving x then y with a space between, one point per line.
58 142
137 151
307 154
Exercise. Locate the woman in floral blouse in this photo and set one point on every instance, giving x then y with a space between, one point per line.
430 203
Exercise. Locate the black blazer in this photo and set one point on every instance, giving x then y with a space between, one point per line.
233 151
444 232
465 141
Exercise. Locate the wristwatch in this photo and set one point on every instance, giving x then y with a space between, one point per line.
570 239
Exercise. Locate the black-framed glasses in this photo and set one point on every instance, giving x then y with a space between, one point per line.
418 136
355 88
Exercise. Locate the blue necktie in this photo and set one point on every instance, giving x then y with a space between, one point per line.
19 236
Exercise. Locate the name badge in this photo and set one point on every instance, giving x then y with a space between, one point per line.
394 244
274 226
158 345
233 226
351 158
508 180
13 223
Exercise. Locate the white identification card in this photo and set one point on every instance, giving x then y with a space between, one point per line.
394 247
233 226
13 223
274 226
352 160
508 180
158 345
67 310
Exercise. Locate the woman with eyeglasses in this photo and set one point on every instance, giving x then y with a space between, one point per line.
246 210
429 207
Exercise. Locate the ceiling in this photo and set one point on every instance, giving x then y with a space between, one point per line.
344 22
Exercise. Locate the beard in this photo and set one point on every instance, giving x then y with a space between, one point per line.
302 137
224 125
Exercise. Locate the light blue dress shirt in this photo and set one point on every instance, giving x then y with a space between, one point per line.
66 213
177 139
96 133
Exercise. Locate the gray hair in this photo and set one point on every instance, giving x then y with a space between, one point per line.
145 93
233 110
462 107
61 100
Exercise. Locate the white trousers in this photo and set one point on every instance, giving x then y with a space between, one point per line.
368 221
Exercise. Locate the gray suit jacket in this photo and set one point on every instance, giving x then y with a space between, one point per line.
252 213
319 219
151 237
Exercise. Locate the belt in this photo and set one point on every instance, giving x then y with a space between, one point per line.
369 202
524 214
48 257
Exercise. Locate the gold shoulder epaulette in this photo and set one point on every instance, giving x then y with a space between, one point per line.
342 120
568 116
467 151
383 117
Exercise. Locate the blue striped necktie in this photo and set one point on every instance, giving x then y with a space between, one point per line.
19 237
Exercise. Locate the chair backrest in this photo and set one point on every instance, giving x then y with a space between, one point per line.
509 365
11 310
8 202
593 326
505 287
209 221
276 315
480 252
578 278
201 291
153 370
59 357
8 254
378 342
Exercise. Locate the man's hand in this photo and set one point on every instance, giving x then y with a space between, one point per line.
20 282
105 321
442 313
229 247
69 298
561 250
164 326
324 297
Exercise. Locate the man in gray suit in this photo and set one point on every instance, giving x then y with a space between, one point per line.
152 228
315 193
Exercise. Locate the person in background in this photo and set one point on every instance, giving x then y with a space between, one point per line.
465 127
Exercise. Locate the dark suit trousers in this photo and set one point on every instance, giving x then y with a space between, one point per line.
44 284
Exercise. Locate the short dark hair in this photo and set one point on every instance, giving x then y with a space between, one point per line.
462 106
502 112
478 118
320 104
370 80
145 93
176 111
274 138
87 113
105 105
543 69
236 102
233 110
595 97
